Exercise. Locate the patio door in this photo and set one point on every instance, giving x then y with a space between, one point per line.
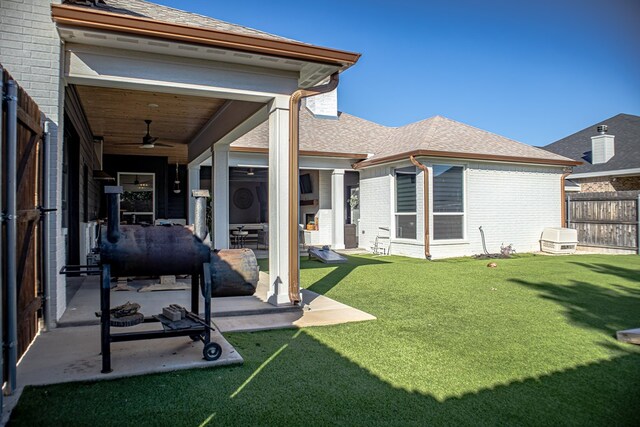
138 201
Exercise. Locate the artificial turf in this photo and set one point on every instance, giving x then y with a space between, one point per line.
531 342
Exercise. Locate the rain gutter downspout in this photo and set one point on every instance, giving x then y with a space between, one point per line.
563 207
294 154
425 170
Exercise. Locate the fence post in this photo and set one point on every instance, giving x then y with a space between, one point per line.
2 93
11 220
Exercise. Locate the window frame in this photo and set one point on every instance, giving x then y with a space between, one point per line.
394 208
463 214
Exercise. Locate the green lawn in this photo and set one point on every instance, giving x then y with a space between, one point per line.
531 342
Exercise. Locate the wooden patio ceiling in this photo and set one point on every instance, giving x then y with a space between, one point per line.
118 115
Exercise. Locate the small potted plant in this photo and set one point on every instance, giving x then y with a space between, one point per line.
311 225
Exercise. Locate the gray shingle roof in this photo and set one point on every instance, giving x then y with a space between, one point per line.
346 134
350 134
625 128
442 134
145 9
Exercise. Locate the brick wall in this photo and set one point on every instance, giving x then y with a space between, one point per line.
30 50
608 183
512 203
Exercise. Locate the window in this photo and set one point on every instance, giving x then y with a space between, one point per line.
448 202
405 213
137 202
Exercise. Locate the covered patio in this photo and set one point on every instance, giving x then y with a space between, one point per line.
201 89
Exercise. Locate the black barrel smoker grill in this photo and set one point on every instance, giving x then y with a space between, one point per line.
136 250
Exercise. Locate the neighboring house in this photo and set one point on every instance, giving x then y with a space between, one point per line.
475 179
610 151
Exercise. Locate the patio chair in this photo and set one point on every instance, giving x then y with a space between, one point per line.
382 242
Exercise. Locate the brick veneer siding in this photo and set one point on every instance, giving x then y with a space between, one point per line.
609 183
512 203
31 50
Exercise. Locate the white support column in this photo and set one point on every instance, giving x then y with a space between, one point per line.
337 207
278 293
220 195
194 184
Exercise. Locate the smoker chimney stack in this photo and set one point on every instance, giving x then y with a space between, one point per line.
602 146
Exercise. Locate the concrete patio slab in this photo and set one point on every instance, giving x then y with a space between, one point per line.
73 354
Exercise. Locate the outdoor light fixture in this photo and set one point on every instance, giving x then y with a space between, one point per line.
250 172
176 183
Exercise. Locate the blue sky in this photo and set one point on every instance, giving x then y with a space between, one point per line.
534 71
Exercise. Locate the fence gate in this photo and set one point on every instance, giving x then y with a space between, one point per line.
605 220
27 251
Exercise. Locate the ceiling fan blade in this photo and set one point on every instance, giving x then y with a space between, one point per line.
128 144
160 144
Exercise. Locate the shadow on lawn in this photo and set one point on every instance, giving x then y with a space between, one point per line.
338 271
606 309
291 378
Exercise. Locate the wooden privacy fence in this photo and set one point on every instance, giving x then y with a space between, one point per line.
22 194
605 220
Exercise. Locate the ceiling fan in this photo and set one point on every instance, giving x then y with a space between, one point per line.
149 141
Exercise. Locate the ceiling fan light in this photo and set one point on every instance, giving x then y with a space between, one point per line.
146 146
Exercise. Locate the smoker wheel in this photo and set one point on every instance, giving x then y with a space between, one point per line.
212 351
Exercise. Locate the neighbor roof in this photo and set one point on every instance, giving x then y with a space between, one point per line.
625 128
435 137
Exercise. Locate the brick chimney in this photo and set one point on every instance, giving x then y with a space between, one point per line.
602 146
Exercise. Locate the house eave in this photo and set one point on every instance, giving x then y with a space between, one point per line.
87 18
465 156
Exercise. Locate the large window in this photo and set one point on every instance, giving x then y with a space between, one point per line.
448 202
405 214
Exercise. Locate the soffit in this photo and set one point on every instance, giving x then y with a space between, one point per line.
118 115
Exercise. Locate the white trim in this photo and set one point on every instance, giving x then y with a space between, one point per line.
619 172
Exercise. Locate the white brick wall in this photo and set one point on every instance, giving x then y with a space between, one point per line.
513 204
375 204
30 50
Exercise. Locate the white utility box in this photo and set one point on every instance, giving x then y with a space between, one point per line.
556 240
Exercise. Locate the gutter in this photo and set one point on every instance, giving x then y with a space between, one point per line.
294 159
425 170
468 156
87 18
